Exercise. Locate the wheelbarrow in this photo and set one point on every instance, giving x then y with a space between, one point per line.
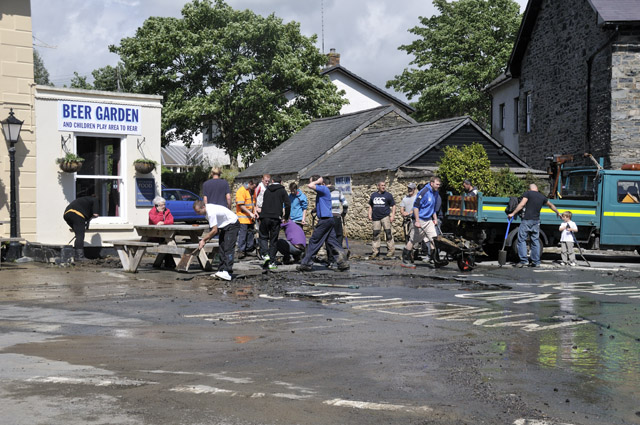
451 248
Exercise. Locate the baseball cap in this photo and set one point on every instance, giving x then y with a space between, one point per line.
411 186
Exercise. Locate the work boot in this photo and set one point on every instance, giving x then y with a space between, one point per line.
78 255
406 259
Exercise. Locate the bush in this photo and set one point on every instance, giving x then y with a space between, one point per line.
468 162
507 184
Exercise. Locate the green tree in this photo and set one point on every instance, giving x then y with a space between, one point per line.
507 183
457 53
234 69
80 82
467 162
118 79
40 73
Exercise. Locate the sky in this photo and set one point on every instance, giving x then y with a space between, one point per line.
74 35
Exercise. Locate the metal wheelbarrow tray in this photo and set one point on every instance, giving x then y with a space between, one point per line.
460 250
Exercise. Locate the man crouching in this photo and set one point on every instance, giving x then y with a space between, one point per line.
224 223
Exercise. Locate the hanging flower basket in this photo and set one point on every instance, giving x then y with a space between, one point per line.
144 166
70 163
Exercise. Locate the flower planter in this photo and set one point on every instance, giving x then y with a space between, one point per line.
70 166
144 167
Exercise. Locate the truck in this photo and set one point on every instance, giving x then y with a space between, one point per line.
605 205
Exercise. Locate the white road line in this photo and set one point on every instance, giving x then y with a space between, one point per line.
536 422
95 382
230 313
373 301
271 319
202 389
218 376
391 304
376 406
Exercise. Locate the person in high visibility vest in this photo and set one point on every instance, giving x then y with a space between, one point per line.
245 210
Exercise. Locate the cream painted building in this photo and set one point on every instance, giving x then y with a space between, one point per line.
16 92
110 131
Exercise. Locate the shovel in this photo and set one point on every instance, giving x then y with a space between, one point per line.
580 249
502 254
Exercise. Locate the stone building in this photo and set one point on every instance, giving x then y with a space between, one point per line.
576 65
382 144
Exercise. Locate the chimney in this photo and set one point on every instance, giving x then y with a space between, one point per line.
333 58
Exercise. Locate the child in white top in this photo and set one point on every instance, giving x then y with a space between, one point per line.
567 228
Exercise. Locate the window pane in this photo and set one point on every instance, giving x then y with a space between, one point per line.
101 156
106 190
628 192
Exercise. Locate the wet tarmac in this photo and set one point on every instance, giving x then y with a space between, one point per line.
378 344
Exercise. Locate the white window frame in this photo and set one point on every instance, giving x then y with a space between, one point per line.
122 178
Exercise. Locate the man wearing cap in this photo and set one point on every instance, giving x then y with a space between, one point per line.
406 210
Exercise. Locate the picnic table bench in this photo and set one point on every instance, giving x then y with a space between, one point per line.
165 240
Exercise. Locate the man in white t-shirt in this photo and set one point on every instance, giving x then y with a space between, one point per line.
224 223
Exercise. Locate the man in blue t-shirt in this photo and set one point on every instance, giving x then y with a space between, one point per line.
426 219
382 211
324 231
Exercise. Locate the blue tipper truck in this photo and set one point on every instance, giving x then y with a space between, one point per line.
605 206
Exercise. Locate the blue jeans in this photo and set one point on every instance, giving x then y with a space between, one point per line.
529 229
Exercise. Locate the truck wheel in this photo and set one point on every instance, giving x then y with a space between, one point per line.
513 252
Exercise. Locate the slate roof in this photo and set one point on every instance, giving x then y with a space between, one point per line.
408 109
314 140
616 11
391 148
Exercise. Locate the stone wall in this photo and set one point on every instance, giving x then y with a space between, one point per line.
625 101
358 225
555 71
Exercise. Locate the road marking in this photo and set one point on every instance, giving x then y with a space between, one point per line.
273 319
230 313
536 422
376 406
93 381
219 376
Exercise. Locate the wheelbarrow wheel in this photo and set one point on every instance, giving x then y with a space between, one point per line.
466 264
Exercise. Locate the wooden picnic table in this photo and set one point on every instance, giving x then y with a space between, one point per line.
178 240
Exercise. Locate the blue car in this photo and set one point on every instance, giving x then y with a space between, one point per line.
180 203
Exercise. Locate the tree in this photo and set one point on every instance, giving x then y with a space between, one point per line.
118 79
457 53
234 69
40 73
80 82
467 162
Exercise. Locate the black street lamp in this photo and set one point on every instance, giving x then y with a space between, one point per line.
11 128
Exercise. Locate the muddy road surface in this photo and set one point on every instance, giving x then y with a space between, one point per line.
375 345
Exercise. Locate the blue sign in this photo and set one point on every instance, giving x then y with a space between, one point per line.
99 118
145 192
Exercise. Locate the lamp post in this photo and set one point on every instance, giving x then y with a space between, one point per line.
11 128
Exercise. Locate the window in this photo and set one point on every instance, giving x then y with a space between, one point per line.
502 117
529 110
100 174
628 192
344 184
516 115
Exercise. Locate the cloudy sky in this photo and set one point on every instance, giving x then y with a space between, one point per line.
74 35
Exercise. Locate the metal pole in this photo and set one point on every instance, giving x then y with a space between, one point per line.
15 247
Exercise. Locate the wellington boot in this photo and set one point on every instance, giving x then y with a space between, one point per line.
406 259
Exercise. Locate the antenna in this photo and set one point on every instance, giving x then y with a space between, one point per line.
43 44
322 18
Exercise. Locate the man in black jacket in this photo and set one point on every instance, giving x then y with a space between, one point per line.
270 218
78 214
